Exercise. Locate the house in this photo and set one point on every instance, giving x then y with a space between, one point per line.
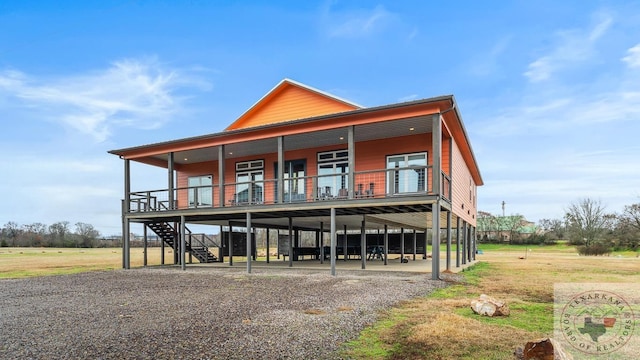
505 228
301 159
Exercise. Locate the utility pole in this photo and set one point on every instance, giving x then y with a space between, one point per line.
503 204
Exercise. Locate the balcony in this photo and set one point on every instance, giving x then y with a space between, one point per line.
414 181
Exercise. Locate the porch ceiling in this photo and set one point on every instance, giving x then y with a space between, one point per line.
331 137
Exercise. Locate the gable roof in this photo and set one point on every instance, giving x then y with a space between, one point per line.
291 100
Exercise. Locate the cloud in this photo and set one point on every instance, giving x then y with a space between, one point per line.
633 57
355 24
572 47
137 93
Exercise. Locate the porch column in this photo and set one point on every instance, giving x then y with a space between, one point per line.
268 245
221 247
170 181
249 250
351 150
401 245
182 243
464 242
415 243
346 244
126 226
386 244
290 242
435 241
230 244
363 244
161 251
448 241
221 160
436 151
457 241
474 249
280 175
334 241
321 242
469 244
146 245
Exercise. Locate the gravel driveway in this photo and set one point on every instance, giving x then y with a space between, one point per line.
195 314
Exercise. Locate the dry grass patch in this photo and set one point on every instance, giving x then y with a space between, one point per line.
345 308
442 326
314 312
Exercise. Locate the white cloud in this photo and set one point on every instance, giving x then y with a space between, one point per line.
572 47
355 24
132 93
633 57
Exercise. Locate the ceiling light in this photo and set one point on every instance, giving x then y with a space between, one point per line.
411 129
341 137
185 159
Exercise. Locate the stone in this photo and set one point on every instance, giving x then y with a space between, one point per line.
543 349
488 306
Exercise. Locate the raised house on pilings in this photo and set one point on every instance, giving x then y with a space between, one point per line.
377 183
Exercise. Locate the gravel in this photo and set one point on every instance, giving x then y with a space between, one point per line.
166 313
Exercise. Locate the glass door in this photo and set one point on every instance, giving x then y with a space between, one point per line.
294 180
249 187
406 173
200 194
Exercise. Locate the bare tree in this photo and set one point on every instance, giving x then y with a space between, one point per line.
587 221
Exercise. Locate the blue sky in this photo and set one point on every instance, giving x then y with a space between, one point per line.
549 90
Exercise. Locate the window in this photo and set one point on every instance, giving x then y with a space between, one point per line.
294 180
249 182
200 191
333 170
407 173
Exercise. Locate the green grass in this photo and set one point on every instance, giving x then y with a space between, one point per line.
529 316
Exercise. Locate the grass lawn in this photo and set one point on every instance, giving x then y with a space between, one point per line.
442 325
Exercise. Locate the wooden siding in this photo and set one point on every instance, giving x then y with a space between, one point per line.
462 206
289 103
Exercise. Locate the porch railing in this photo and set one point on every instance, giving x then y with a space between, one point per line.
408 181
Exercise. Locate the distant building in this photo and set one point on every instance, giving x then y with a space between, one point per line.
492 228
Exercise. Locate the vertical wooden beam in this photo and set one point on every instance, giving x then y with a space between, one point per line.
183 242
268 247
126 226
436 153
386 244
146 245
457 241
346 243
415 244
401 245
351 155
321 242
280 175
290 242
474 238
448 241
435 241
464 242
230 244
221 247
363 244
170 180
334 242
221 186
249 250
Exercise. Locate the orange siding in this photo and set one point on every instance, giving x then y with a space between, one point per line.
290 103
462 205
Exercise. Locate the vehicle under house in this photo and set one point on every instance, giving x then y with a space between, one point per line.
368 181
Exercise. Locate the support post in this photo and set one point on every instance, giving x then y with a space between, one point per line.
346 244
268 245
182 243
415 244
448 241
363 244
435 241
321 242
146 245
333 242
290 242
249 250
170 181
436 141
230 244
457 241
386 244
401 245
464 242
351 159
280 175
221 161
126 226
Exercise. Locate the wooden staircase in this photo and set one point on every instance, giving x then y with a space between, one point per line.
170 236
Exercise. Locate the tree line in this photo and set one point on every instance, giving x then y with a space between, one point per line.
586 224
59 234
